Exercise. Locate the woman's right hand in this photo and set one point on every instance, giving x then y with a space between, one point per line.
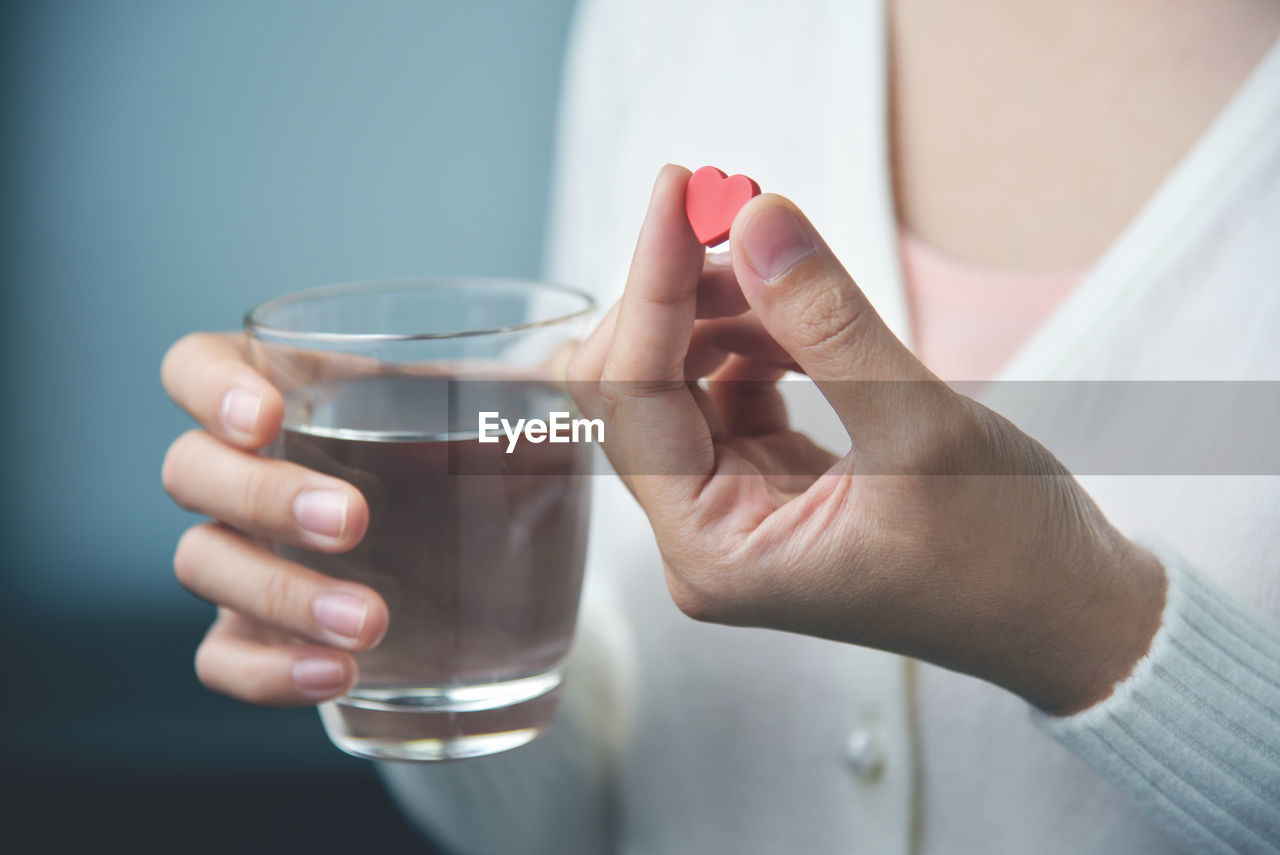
284 634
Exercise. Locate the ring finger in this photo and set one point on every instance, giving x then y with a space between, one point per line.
273 499
222 566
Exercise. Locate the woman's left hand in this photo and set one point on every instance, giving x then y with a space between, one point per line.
945 534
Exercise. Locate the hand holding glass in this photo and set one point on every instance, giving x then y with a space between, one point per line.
477 550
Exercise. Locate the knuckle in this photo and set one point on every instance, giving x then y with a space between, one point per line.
253 679
614 392
172 357
610 393
259 684
171 474
178 356
260 491
833 320
281 596
174 472
955 443
611 396
584 391
186 557
205 663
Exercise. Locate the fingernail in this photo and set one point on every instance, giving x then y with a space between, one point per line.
320 678
774 240
341 614
322 512
240 409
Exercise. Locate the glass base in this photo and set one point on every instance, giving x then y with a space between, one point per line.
430 723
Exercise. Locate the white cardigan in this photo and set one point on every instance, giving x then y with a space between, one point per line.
679 737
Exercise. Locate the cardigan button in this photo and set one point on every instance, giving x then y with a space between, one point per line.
864 753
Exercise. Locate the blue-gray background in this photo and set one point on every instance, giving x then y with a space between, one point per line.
165 165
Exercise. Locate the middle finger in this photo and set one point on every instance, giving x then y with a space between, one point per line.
274 499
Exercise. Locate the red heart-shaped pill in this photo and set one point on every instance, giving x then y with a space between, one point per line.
713 199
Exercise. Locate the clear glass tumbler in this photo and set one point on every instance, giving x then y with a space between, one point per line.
477 547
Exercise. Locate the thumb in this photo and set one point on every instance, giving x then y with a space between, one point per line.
813 308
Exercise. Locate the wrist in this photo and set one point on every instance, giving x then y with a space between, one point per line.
1105 627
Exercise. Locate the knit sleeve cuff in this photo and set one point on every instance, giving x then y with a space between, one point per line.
1193 734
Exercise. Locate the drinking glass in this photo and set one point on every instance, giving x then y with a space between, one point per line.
476 546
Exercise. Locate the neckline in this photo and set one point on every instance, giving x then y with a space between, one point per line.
911 242
1201 180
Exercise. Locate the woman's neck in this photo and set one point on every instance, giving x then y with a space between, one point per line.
1027 135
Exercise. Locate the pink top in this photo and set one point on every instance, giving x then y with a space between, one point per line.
967 320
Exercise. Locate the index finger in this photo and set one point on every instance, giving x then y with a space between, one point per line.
658 427
209 376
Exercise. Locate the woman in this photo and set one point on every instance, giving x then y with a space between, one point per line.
1122 161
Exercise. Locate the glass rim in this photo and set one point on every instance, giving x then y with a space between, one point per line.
254 326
